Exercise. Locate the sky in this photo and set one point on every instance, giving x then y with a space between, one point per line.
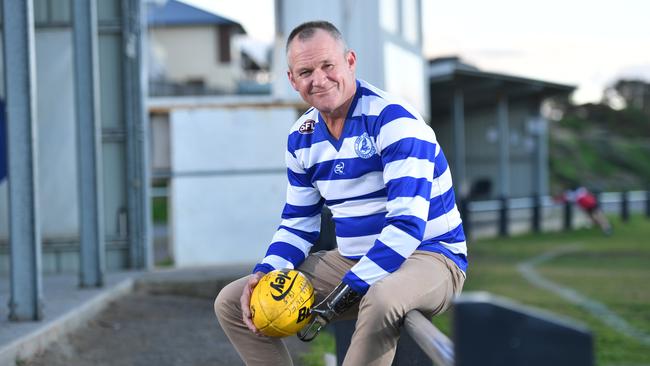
586 43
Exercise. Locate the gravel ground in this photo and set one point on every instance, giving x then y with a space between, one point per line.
143 329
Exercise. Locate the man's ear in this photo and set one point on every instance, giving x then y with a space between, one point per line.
291 80
351 59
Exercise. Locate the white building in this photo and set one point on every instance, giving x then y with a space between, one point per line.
191 51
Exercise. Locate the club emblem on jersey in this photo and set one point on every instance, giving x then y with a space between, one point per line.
364 146
338 168
307 127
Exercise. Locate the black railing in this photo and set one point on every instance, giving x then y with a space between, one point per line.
505 216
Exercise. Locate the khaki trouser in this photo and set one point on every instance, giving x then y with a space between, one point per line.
426 281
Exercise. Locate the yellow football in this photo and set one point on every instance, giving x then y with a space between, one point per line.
281 303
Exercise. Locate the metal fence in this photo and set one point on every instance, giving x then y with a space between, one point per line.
511 216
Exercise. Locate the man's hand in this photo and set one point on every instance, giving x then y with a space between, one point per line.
245 301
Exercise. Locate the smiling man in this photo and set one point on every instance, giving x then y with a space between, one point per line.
376 164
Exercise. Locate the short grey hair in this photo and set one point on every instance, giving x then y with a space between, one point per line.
307 30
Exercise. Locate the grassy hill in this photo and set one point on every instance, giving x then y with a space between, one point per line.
600 147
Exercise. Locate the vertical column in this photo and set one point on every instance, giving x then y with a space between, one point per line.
459 142
89 155
539 164
504 146
24 224
647 201
137 132
625 206
542 155
504 162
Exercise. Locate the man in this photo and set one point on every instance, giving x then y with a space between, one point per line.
376 164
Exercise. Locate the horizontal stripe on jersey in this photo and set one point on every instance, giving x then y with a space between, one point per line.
309 236
409 148
359 207
442 204
288 252
359 225
385 257
342 188
375 194
442 224
285 236
298 180
291 211
455 235
303 196
350 168
409 187
449 251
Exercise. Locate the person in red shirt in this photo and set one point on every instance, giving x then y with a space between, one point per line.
589 204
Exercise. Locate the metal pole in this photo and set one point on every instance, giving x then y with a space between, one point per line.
537 217
647 202
89 157
25 301
459 142
137 127
568 215
625 206
503 217
504 145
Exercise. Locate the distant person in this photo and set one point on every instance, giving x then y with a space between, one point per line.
588 202
373 160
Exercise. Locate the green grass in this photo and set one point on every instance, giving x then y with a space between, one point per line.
612 270
159 209
323 343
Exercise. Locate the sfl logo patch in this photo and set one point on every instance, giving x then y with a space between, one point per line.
307 127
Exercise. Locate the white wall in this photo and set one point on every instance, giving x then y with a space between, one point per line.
404 76
57 170
190 53
159 144
228 182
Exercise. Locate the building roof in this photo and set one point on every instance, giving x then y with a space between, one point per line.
449 74
175 13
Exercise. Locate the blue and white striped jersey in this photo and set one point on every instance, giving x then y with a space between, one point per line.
386 182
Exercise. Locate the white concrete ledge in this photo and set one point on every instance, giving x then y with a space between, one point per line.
34 337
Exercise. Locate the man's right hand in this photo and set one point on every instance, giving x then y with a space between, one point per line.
245 301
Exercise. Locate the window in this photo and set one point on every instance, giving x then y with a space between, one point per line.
223 38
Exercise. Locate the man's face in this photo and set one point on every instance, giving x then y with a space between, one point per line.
321 71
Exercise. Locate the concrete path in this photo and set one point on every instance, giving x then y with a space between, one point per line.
157 318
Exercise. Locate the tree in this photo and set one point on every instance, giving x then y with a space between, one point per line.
629 94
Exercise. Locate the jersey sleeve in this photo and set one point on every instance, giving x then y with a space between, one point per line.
408 148
301 218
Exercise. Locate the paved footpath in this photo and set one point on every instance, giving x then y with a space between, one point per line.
162 318
141 329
